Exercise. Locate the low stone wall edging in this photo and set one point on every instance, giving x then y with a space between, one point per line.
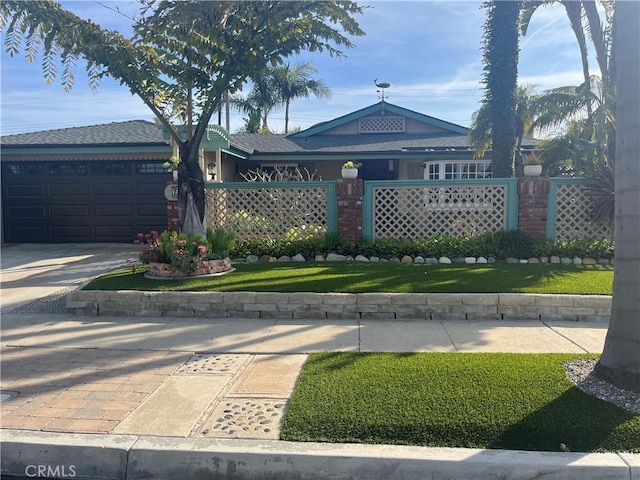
306 305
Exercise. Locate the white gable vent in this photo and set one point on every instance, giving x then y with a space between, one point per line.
382 124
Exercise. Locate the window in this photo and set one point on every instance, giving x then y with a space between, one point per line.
456 170
68 169
116 168
25 169
150 167
433 171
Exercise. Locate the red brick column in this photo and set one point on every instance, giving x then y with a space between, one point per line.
349 192
532 205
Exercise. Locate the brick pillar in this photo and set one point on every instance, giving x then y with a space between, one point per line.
349 192
532 205
173 222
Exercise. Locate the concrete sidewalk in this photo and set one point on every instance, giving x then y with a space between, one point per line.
175 398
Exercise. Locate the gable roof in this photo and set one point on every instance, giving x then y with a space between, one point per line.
255 143
134 132
381 107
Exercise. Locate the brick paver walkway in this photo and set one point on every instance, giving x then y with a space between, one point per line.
79 390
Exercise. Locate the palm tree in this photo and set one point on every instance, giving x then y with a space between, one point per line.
620 360
296 82
262 98
589 111
500 73
593 102
480 128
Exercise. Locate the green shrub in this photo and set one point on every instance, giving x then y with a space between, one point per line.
516 244
220 242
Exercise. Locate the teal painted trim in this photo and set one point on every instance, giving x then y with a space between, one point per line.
367 211
235 152
552 211
388 107
266 185
552 202
215 136
360 156
439 183
336 122
53 150
332 208
512 203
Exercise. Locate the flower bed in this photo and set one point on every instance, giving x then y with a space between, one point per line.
177 255
210 267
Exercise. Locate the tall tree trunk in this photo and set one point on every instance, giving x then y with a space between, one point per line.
191 192
501 77
286 116
620 360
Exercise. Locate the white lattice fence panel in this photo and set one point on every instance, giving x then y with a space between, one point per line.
269 212
421 212
382 124
573 221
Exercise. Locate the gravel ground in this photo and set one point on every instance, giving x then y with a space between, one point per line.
580 372
55 303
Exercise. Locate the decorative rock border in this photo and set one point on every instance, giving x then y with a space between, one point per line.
334 257
307 305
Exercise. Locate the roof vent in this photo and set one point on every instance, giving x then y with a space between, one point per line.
384 124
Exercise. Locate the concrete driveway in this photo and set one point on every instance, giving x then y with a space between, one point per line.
34 278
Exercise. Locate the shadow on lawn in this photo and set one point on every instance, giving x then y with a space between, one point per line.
577 420
352 277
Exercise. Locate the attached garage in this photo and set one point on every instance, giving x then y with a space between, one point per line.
84 184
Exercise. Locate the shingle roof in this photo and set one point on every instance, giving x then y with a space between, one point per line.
142 132
134 132
383 142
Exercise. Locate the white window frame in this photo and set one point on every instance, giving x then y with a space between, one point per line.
457 169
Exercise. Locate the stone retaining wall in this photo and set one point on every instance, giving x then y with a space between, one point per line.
426 306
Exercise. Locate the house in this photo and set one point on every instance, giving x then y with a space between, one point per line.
390 143
105 183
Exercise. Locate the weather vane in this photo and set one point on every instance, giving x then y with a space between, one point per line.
382 86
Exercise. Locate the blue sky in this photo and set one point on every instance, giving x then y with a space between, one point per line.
429 51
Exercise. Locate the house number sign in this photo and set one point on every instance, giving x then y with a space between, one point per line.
171 192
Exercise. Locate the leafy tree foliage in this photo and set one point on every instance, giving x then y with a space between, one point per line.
182 57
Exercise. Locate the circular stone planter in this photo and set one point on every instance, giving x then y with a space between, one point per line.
168 271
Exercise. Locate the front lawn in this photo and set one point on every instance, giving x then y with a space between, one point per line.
493 400
356 277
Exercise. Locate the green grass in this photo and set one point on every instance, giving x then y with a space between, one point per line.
355 277
493 400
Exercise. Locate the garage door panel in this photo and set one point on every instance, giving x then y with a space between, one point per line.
70 232
115 231
25 211
113 210
112 189
69 189
31 234
144 188
158 210
61 211
21 191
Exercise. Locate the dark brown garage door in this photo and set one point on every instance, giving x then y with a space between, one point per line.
82 201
